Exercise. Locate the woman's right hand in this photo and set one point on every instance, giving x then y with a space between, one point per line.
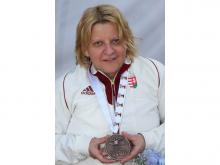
95 150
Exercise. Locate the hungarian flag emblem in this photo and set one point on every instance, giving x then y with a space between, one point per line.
132 81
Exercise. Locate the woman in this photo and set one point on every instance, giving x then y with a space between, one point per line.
111 92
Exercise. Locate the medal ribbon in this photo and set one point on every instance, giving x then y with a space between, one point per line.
113 119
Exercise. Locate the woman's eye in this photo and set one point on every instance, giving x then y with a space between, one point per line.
116 41
98 43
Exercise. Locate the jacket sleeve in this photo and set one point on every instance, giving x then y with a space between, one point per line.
69 148
155 138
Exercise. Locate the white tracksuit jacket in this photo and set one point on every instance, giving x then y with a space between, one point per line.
83 119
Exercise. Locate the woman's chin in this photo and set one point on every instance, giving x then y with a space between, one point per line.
110 74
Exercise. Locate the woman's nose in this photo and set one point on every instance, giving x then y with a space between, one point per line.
108 49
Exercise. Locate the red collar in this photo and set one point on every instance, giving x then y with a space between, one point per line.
107 82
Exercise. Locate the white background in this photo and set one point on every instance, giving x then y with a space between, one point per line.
27 70
146 19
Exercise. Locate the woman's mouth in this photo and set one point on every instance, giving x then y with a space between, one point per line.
109 59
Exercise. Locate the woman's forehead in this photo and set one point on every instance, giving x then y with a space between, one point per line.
101 30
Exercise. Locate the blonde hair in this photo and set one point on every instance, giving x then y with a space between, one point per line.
101 14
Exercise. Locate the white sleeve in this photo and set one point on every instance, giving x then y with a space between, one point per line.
155 138
70 148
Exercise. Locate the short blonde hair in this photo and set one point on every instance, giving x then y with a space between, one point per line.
101 14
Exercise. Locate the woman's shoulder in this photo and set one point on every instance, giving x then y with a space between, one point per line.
148 64
151 68
145 61
73 77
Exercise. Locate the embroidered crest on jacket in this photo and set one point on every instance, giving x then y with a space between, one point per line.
132 81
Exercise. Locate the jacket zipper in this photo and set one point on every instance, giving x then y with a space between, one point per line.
113 88
114 96
113 91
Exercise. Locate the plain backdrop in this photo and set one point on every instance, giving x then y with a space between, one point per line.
27 69
146 19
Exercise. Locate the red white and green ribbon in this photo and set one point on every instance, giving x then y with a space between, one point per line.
113 119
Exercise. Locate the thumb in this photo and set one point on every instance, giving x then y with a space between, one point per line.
126 135
103 139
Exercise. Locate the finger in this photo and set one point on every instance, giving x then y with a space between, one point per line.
104 153
104 159
124 133
103 139
127 136
133 153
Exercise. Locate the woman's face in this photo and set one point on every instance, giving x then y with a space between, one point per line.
105 50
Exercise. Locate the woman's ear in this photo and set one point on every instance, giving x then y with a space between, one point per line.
84 50
86 54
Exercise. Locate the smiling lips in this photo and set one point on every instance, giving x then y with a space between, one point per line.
110 59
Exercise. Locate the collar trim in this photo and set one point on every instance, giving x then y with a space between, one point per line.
94 71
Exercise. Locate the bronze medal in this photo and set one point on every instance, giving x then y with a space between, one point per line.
117 147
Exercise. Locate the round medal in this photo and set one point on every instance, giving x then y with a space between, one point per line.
117 147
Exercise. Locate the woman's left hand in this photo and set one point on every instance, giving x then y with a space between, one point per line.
138 145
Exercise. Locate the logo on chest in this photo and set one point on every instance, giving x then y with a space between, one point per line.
132 81
88 91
